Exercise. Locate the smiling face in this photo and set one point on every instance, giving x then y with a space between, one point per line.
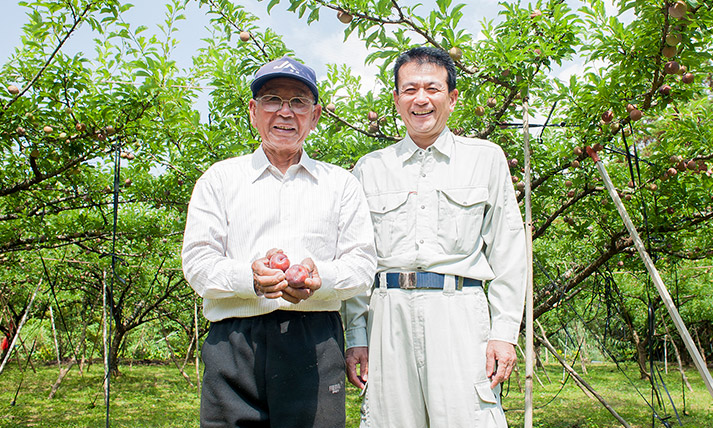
423 101
283 131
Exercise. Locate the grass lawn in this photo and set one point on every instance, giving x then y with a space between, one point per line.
157 396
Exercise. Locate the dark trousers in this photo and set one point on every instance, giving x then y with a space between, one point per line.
279 370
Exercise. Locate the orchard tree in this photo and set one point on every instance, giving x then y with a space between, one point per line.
82 136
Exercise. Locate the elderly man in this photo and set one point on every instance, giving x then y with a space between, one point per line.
446 220
274 355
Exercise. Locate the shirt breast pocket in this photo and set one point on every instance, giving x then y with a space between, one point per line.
388 213
460 218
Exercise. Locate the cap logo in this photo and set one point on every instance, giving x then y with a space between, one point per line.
287 66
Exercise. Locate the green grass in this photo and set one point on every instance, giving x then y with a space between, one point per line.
157 396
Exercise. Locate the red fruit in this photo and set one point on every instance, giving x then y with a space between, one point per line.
5 344
296 275
607 116
279 261
671 67
665 90
687 78
635 115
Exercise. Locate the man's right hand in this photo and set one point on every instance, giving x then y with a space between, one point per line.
358 356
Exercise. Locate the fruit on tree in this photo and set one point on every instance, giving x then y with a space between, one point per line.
455 53
615 127
492 102
373 127
568 183
296 275
14 90
48 129
577 151
575 164
678 10
110 130
514 179
479 111
635 115
535 13
673 39
80 127
372 116
669 51
607 116
665 89
127 182
20 131
672 171
331 107
244 36
687 78
279 261
597 147
344 17
671 67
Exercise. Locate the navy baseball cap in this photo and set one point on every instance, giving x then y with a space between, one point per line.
285 67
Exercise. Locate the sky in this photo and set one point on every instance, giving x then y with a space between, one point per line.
316 44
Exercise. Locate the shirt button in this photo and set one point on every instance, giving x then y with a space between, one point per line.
421 241
423 174
423 207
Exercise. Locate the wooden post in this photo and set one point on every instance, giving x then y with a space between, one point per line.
197 350
56 343
19 327
578 379
654 273
529 294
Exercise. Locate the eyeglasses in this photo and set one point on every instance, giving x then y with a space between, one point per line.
273 103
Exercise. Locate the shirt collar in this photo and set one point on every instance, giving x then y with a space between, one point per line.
260 164
443 144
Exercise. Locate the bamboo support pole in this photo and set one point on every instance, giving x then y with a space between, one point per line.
19 327
578 379
529 294
654 273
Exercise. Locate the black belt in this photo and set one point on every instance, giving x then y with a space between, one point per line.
425 280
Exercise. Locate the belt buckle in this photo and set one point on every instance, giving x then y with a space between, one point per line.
407 280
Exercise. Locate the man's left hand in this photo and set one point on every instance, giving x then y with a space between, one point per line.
311 284
500 359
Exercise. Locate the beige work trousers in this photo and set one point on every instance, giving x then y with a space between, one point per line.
427 360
